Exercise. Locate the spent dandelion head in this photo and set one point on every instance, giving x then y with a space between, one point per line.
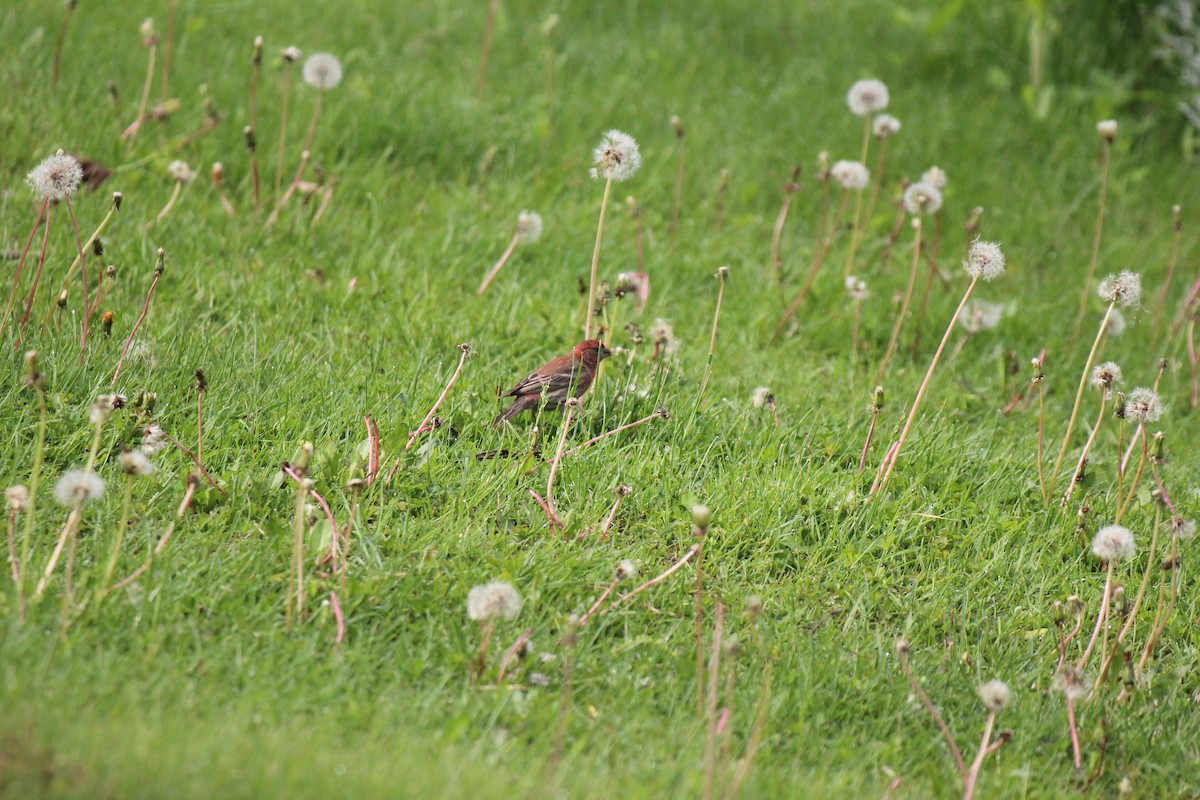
136 463
322 71
1106 375
1143 406
995 695
1124 288
1113 543
762 396
1107 129
154 440
181 172
884 126
980 315
291 54
922 198
856 288
529 226
984 260
616 157
851 175
16 497
1070 682
56 178
492 600
701 516
1182 528
626 569
935 177
867 97
78 486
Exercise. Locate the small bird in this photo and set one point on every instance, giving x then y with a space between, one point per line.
555 381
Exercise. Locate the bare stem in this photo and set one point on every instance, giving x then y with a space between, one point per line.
591 307
1161 302
158 271
21 264
815 268
485 49
562 440
712 341
918 225
495 270
973 772
1101 618
902 653
1078 474
714 671
1105 157
465 350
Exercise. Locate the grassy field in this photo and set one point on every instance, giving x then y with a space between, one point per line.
192 682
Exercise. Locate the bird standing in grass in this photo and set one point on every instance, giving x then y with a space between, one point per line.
556 381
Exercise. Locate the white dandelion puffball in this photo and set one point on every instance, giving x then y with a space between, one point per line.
17 497
1124 288
56 178
850 174
856 288
1107 129
77 487
995 695
867 96
1107 374
885 125
492 600
1143 406
529 226
617 157
761 396
922 198
136 463
935 177
322 71
980 315
984 260
154 440
1113 543
181 172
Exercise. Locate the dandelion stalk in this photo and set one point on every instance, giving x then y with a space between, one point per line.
68 9
255 69
1077 476
290 56
1131 617
78 262
115 550
902 648
701 517
723 277
167 47
485 49
37 275
158 272
1039 378
294 609
1083 379
789 192
189 493
13 561
591 307
21 263
818 260
677 126
714 671
150 39
464 351
571 404
908 292
1161 302
985 261
1105 159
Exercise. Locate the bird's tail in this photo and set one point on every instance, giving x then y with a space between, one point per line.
516 408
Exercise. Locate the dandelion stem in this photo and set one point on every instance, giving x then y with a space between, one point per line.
1161 302
1137 478
902 653
115 550
14 564
712 341
133 129
1077 476
68 7
36 277
973 772
591 307
815 268
1105 157
890 463
692 551
170 204
68 529
1101 618
562 440
918 226
465 350
658 413
495 270
21 264
255 69
158 271
1083 379
78 262
192 484
714 671
283 116
485 49
789 192
304 156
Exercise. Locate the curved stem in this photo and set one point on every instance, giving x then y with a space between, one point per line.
591 306
1078 474
1101 617
908 293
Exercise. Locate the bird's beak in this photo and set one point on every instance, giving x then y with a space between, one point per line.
605 353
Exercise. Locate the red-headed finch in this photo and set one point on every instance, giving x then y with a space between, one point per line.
555 381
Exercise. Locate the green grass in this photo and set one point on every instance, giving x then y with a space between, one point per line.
191 685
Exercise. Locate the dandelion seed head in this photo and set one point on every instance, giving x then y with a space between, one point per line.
852 175
529 226
1107 129
136 463
867 96
661 332
1181 528
762 396
626 570
935 177
995 695
181 172
1113 543
1106 375
1143 406
102 409
77 487
322 71
1124 288
617 157
1116 323
980 315
492 600
56 178
984 260
154 440
856 288
16 497
885 125
922 198
291 54
1070 683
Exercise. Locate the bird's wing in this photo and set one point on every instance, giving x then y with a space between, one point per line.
537 383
